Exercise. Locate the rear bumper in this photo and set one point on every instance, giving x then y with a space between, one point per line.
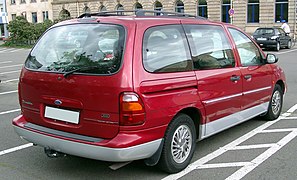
92 151
267 44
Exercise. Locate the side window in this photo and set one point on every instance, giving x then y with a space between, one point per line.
210 47
247 50
165 49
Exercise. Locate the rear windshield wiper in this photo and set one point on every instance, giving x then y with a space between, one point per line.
66 74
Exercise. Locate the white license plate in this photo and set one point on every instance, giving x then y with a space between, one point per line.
62 115
261 39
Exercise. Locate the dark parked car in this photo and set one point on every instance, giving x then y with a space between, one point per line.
272 38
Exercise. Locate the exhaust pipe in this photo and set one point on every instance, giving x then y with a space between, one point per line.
52 153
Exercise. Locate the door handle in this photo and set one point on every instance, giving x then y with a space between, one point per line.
235 78
247 76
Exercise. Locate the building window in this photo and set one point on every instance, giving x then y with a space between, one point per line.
23 1
64 14
33 1
253 11
86 9
1 10
102 8
158 7
45 15
24 14
137 6
34 17
226 6
13 16
179 7
12 2
202 8
281 10
120 7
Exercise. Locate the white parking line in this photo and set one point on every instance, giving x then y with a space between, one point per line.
286 51
15 50
10 80
234 145
16 65
10 111
4 62
10 72
9 92
261 158
15 149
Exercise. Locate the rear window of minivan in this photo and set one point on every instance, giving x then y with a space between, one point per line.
83 48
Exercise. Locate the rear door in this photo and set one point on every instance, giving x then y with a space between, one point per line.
257 76
219 80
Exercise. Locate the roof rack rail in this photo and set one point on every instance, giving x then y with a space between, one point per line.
141 13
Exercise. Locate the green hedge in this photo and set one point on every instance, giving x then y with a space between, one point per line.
23 33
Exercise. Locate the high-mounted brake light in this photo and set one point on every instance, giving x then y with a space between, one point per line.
131 109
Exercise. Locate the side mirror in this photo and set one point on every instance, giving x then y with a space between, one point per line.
271 59
287 34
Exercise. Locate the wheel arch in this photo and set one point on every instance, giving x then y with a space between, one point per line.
195 115
282 85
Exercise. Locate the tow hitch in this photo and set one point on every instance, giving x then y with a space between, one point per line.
52 153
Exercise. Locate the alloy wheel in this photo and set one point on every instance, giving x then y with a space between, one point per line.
181 144
276 102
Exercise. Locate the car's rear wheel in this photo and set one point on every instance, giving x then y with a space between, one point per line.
275 104
277 47
179 144
289 44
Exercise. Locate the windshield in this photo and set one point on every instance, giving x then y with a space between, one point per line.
77 47
264 32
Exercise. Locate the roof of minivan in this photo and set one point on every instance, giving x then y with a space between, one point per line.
137 16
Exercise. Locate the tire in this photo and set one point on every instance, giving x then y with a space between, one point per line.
289 44
277 48
178 150
275 104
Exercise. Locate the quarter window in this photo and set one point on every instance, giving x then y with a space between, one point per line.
247 50
165 49
210 47
253 11
281 10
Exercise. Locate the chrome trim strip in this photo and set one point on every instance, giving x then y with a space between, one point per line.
62 133
222 98
224 123
141 151
257 90
236 95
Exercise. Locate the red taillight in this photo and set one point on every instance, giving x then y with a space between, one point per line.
131 109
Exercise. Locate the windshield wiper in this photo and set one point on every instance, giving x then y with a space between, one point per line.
66 74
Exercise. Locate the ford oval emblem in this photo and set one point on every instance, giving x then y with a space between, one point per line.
58 102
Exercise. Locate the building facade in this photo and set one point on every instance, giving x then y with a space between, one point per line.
246 14
35 11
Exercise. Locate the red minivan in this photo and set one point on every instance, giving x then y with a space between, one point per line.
119 88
